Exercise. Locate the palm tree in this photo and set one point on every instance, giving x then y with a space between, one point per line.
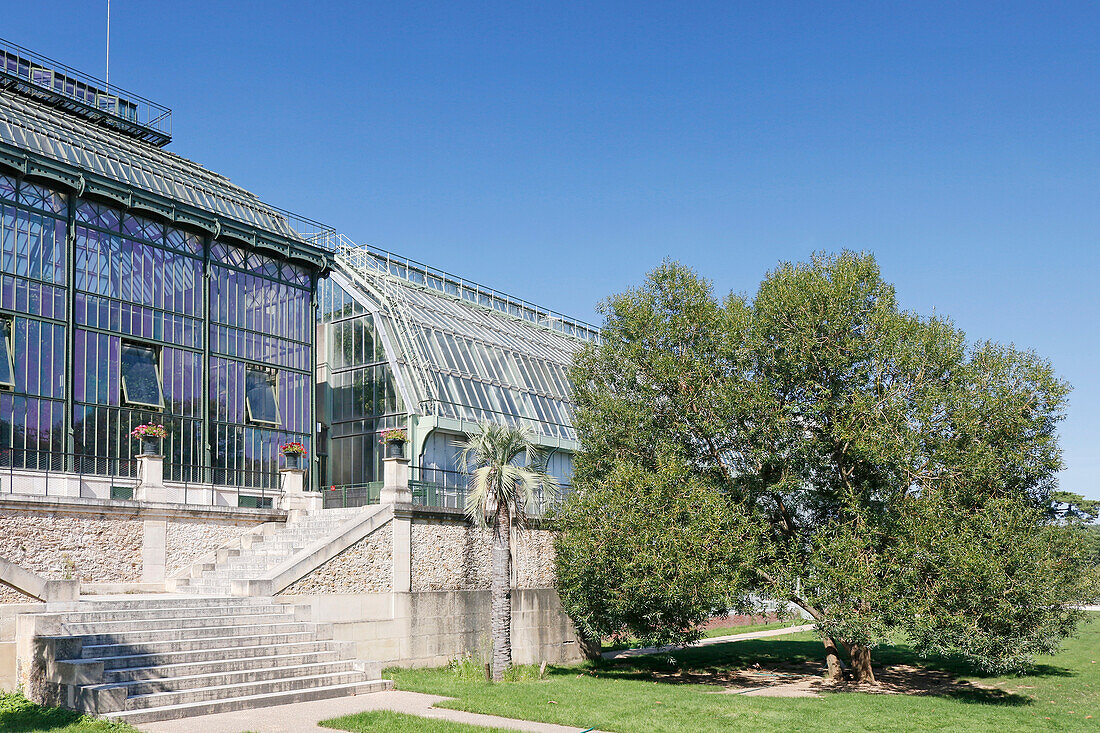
500 494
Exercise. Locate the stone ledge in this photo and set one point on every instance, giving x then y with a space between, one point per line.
129 509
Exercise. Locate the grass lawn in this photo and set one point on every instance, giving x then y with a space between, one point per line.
709 633
384 721
19 715
645 694
748 628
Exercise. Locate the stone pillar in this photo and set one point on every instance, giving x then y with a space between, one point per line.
154 542
395 491
395 481
295 500
151 479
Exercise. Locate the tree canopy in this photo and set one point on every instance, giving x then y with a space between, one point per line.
816 444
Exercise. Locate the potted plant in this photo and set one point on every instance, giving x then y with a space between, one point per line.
150 435
394 439
293 452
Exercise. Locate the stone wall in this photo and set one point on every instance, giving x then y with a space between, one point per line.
365 567
55 545
452 554
104 541
187 541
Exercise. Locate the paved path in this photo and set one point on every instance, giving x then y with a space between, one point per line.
304 716
624 653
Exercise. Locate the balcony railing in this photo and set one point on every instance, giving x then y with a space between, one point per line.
52 82
53 473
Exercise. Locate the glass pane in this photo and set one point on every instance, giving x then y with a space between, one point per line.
260 396
140 375
7 373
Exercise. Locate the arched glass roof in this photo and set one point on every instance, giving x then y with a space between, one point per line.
469 352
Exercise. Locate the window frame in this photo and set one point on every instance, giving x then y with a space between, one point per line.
157 368
248 416
7 332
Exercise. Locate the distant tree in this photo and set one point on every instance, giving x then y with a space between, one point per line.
819 445
501 493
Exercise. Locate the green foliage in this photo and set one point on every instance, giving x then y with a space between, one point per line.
864 462
20 715
498 486
679 562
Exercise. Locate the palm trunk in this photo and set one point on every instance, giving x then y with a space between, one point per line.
502 595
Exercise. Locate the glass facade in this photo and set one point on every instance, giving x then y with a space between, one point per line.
457 359
361 398
167 326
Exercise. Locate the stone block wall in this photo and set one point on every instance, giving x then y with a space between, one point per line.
104 541
365 567
98 548
450 553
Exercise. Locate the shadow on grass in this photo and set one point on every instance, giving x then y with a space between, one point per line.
745 663
18 715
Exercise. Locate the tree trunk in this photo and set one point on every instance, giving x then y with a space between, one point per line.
832 659
860 656
502 595
590 648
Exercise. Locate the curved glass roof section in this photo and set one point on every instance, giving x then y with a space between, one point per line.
68 139
468 352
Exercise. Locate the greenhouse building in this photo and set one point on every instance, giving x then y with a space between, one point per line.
402 345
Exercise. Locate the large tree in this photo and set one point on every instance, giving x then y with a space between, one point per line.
816 444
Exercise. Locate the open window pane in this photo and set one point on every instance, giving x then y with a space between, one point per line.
260 396
141 376
7 371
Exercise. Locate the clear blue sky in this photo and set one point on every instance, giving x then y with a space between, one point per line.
560 151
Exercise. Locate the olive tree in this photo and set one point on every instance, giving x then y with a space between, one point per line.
862 462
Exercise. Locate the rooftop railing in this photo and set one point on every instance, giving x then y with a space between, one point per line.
418 273
50 81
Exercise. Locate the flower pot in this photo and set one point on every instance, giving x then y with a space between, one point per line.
150 446
293 460
395 449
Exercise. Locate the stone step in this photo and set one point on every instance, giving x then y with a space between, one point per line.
147 636
95 618
174 712
106 651
243 664
172 602
156 659
241 689
222 678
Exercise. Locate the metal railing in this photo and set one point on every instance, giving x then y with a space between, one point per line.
341 496
43 78
56 473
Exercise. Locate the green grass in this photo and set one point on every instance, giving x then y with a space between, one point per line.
632 696
19 715
384 721
749 628
609 646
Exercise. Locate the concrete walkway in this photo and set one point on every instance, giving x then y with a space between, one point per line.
304 716
625 653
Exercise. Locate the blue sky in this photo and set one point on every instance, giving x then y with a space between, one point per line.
560 151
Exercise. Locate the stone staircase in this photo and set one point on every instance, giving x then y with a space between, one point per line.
261 551
175 657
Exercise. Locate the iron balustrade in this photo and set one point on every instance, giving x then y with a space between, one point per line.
43 78
57 473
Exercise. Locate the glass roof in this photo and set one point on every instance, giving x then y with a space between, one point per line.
69 139
470 360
